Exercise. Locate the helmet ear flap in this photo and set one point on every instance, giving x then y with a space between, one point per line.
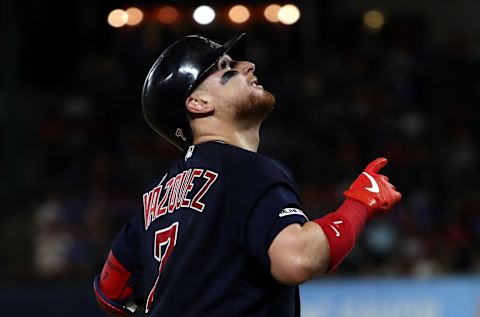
178 70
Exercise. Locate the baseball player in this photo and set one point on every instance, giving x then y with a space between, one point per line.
222 232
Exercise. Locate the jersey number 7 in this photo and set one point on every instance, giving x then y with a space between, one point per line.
165 239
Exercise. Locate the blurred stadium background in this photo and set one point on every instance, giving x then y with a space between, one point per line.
353 80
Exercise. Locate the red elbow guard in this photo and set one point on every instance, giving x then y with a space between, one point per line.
112 289
114 279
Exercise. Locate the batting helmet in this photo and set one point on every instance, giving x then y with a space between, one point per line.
174 75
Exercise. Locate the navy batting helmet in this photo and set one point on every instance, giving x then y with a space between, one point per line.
174 75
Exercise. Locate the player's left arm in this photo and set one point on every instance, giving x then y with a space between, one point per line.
118 288
299 253
115 288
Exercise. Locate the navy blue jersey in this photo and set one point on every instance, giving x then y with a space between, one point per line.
200 246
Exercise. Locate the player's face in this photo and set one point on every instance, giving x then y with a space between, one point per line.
236 90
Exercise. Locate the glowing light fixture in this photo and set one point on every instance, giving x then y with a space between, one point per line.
289 14
117 18
271 13
239 14
204 15
135 16
374 20
167 15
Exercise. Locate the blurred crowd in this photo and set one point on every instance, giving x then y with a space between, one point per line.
393 93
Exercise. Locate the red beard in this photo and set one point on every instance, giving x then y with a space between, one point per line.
256 108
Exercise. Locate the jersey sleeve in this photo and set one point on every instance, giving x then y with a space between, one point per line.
126 246
276 209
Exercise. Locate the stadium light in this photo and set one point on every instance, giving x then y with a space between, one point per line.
239 14
289 14
135 16
167 15
373 20
204 15
117 18
271 13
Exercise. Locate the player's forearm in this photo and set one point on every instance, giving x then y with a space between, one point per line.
299 253
318 246
316 254
113 290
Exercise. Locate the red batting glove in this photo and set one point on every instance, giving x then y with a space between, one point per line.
373 190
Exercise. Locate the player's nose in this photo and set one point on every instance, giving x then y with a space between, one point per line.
245 67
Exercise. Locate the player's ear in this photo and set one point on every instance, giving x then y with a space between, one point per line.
198 105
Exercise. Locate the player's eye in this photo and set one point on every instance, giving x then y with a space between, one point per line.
224 63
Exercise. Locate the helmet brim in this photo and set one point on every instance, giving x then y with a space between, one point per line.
235 47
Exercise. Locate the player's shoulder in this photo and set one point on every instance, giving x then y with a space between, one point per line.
250 163
155 182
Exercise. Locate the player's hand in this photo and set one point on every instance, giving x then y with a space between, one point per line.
373 189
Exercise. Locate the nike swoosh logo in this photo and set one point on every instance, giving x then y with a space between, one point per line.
374 189
336 223
337 233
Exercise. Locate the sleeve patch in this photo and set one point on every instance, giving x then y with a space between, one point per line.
291 211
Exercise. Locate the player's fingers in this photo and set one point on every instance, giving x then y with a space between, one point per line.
392 201
390 186
397 196
376 165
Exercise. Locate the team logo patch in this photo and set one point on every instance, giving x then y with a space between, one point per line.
292 211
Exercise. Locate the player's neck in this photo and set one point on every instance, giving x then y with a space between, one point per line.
245 138
248 142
